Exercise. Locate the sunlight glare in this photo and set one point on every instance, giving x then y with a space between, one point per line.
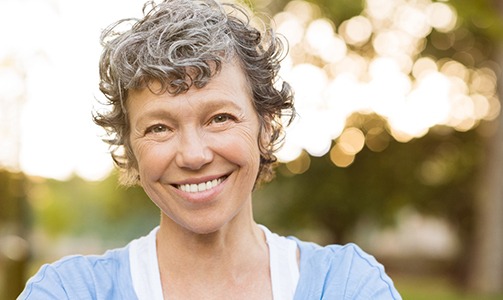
393 43
484 80
369 64
455 69
323 42
412 93
382 9
57 52
426 106
309 82
412 20
356 31
388 86
351 64
333 50
12 83
311 133
481 106
441 16
424 66
462 108
345 95
289 151
303 10
289 26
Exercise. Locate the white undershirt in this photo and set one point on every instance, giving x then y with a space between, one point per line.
283 265
147 280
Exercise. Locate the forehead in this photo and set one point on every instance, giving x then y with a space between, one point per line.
193 77
230 83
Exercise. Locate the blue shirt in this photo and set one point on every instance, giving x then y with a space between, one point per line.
331 272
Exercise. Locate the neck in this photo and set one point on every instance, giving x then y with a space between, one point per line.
231 247
233 260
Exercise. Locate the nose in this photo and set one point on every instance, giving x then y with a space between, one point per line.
193 150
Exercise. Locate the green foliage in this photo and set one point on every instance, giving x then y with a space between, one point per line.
11 192
482 17
13 223
340 10
434 174
100 209
433 287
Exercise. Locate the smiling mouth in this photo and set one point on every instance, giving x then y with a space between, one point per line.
201 187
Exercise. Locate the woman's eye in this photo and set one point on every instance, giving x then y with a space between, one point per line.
159 128
222 118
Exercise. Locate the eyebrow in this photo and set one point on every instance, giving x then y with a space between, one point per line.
220 103
210 105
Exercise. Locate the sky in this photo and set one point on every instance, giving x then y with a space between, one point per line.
49 81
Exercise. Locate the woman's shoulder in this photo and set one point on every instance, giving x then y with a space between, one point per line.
349 257
342 271
335 253
104 276
106 264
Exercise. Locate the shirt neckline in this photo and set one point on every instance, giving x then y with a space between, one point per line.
146 279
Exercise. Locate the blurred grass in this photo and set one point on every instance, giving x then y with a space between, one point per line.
434 287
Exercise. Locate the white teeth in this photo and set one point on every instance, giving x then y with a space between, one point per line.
201 187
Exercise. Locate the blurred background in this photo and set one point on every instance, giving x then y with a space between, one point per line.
398 145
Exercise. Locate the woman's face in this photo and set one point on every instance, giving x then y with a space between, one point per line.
197 152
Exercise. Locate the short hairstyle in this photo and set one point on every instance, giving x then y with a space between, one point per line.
182 44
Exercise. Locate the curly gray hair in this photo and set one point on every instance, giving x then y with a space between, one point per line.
180 44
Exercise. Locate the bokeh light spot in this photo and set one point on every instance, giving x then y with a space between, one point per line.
441 16
300 165
351 141
356 31
340 158
377 140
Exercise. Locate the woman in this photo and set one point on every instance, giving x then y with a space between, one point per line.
194 120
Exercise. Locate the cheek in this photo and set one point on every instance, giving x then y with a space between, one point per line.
152 160
240 147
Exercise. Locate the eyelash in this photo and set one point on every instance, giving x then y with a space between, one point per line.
217 119
154 129
226 117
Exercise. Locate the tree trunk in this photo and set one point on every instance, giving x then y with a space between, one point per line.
486 273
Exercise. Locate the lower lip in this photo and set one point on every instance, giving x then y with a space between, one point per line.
202 197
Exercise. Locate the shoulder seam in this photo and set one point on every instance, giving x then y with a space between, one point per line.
378 266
